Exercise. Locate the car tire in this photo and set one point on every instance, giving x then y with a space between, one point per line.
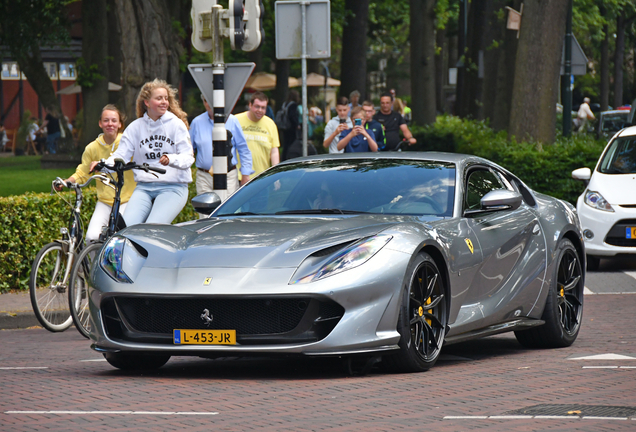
422 319
593 262
564 305
136 362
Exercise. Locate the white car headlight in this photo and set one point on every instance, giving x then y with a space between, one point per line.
596 200
121 260
353 256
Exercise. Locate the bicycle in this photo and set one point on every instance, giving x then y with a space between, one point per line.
78 292
51 267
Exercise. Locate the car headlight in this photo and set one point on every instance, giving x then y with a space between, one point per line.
596 200
121 259
353 256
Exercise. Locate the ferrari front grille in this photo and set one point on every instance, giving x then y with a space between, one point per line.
256 320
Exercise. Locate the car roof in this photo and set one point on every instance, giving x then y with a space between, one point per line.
627 132
456 158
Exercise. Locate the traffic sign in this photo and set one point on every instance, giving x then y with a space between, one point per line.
289 29
235 78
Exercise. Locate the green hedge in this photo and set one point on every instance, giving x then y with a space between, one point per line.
546 168
32 220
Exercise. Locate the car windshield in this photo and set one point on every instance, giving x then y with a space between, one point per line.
348 186
620 157
613 122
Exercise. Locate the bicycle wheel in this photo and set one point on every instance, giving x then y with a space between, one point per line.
48 290
80 281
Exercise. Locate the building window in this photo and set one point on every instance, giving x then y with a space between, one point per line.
51 70
10 71
67 71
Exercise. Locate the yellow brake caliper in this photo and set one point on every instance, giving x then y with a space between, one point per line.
428 301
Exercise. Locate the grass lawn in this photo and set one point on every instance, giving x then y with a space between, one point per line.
20 174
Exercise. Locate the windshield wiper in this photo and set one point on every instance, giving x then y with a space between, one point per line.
319 211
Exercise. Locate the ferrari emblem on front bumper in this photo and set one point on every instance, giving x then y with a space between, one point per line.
207 317
207 281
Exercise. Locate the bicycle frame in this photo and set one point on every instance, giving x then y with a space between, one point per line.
72 236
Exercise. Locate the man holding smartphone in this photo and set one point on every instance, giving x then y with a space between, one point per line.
336 125
357 139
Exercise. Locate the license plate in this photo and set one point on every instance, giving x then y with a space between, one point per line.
204 337
630 232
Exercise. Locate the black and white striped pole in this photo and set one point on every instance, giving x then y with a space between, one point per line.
219 133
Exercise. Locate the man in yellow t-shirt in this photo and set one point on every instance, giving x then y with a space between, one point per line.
260 133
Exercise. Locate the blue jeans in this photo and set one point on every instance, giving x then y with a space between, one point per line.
156 203
50 142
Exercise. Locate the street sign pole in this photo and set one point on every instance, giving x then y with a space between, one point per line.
566 88
219 133
303 12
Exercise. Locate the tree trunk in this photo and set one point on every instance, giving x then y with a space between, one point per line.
604 64
460 88
282 79
472 97
150 49
500 119
33 68
621 24
535 92
422 29
619 55
114 52
354 48
441 49
94 53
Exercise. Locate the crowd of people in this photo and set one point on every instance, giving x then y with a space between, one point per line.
162 137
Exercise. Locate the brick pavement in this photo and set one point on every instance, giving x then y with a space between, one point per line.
488 377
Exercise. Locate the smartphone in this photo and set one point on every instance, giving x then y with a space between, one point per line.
358 122
343 121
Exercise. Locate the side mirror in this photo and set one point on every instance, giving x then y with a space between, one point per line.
206 203
582 174
501 199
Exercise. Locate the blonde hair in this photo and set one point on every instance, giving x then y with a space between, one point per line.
122 116
173 102
398 106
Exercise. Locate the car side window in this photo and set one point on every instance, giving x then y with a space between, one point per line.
479 183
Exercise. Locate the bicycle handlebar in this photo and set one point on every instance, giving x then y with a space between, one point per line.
59 182
119 166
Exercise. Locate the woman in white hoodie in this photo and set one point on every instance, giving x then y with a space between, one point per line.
160 138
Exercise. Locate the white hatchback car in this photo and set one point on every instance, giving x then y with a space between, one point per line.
607 207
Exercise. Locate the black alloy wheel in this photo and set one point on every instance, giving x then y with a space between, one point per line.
570 292
563 310
423 318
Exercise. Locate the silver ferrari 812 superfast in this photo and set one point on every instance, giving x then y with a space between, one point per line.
389 256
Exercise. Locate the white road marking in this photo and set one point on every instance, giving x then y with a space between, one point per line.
600 367
609 367
113 412
609 356
631 273
538 417
94 360
587 291
616 293
23 367
603 418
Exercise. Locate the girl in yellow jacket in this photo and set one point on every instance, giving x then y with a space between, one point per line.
112 124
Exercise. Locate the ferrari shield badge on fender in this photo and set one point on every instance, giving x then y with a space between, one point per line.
470 245
207 281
